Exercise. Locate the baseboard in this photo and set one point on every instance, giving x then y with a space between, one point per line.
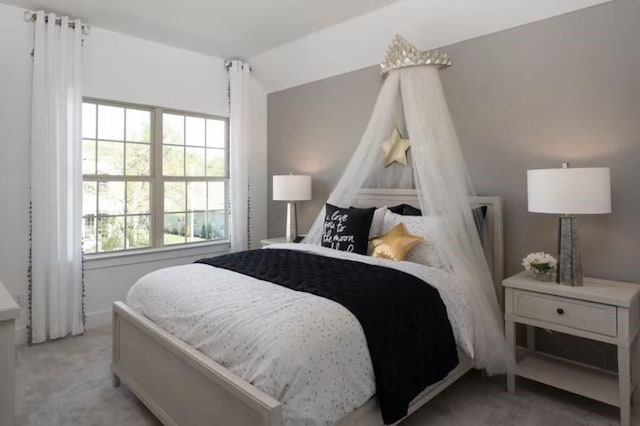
21 334
94 319
98 319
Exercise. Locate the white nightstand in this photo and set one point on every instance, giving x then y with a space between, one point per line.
277 240
269 241
9 311
606 311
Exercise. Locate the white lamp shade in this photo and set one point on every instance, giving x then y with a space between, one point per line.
569 191
291 187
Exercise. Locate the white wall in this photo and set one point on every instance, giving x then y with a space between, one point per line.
258 159
122 68
15 121
361 42
125 68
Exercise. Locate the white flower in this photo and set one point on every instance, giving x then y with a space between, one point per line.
540 261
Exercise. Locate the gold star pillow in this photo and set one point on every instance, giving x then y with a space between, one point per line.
395 244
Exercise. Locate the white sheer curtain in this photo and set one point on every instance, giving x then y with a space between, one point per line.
413 97
56 181
239 75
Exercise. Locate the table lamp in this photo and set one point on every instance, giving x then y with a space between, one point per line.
569 191
291 188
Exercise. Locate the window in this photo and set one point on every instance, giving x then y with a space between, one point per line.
152 177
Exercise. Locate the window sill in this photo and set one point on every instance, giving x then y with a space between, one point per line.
111 260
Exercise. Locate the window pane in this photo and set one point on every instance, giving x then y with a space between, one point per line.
110 158
89 198
174 197
195 161
118 144
111 233
110 122
89 121
111 198
138 125
138 231
197 196
173 129
174 229
216 133
195 221
195 131
216 199
201 231
88 157
215 162
172 161
89 244
217 222
138 197
138 160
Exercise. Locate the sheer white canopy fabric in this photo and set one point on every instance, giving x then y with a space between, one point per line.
56 181
239 75
412 99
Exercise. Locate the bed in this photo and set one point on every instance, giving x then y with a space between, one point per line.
182 386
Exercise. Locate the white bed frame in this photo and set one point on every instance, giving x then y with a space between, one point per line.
182 386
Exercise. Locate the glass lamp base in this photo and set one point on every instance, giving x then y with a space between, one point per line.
569 262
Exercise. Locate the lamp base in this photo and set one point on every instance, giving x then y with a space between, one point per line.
292 222
569 270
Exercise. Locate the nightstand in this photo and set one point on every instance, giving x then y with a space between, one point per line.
279 240
9 311
606 311
269 241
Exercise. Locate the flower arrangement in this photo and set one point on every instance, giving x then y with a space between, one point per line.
540 264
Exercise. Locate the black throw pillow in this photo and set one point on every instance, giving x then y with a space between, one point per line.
347 229
479 215
405 210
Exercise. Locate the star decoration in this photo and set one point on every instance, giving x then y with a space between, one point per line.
395 149
395 244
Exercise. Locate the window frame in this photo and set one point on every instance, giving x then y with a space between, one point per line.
156 180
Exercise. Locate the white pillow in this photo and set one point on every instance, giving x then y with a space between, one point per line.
377 222
423 226
376 226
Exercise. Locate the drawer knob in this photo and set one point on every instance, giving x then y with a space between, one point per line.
560 311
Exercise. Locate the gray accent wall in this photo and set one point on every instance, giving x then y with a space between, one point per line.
562 89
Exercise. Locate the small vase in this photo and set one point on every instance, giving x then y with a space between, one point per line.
542 275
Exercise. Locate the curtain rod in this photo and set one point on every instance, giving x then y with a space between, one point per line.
228 63
30 16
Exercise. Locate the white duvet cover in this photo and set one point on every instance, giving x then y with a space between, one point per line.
308 352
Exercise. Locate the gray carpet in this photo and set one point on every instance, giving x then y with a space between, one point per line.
68 382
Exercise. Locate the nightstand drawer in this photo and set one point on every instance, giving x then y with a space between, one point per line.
593 317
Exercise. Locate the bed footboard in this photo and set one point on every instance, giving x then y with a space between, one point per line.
180 385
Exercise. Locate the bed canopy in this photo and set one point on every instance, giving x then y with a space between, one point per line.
412 103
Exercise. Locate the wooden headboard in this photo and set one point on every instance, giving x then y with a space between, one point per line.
493 244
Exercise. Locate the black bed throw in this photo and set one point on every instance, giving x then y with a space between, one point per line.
404 319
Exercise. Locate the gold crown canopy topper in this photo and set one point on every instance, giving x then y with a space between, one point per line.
402 54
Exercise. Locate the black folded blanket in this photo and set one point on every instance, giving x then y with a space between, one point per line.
404 319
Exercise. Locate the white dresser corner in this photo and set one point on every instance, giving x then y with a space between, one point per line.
9 311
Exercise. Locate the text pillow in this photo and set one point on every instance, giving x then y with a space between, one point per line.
347 229
376 223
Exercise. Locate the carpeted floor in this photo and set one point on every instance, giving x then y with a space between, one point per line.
68 382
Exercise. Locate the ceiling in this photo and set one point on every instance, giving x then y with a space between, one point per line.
224 28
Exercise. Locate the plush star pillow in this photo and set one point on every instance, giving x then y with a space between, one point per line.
395 244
